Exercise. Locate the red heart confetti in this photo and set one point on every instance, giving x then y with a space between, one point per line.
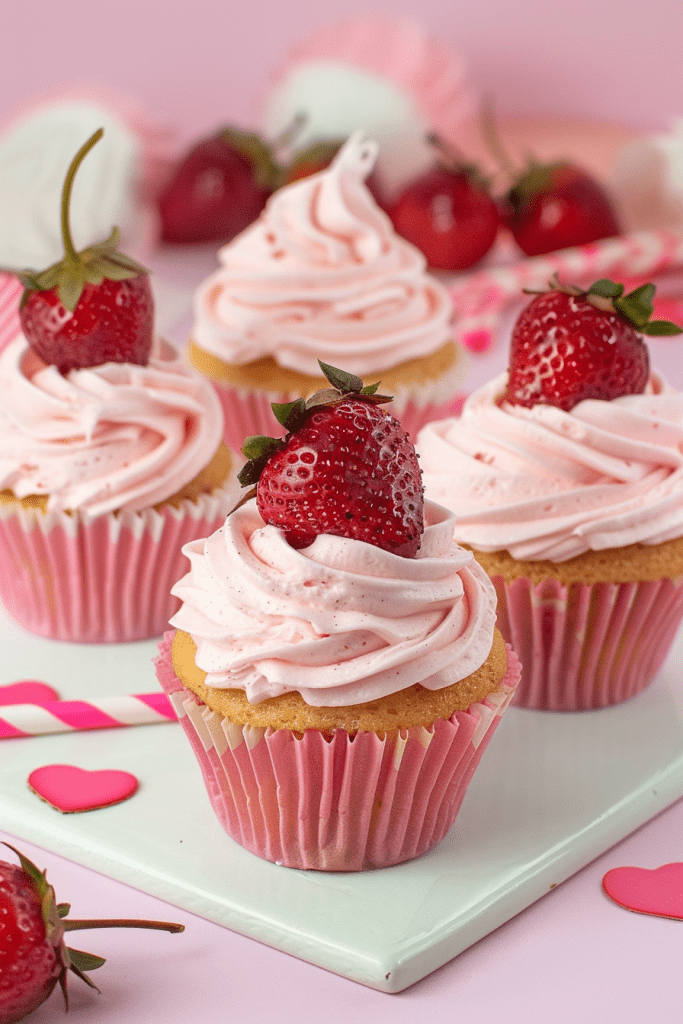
26 691
70 789
658 891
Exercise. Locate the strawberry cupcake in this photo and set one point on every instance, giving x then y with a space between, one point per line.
111 453
323 273
335 664
566 477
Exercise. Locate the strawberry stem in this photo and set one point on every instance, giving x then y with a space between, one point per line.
291 132
69 250
162 926
451 157
454 160
489 131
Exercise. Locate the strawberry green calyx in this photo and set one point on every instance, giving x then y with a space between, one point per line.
54 915
608 296
312 158
636 307
533 181
257 153
291 415
92 265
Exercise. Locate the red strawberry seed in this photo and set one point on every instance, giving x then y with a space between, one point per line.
351 471
564 350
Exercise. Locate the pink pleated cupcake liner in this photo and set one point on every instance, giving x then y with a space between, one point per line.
100 580
339 803
587 646
246 413
399 51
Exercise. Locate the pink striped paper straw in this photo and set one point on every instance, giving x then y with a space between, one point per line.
79 715
10 294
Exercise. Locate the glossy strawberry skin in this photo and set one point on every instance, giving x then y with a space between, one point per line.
30 965
212 196
564 350
447 215
350 471
112 322
570 208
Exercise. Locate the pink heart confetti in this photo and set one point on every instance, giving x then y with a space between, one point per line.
26 691
657 891
70 789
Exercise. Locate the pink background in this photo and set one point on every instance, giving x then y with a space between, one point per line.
195 65
573 955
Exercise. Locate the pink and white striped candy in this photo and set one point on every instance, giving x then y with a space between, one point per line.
77 715
10 294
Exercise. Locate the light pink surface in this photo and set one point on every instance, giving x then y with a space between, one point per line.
572 956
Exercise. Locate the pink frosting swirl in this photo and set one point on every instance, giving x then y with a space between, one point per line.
341 622
322 275
109 437
547 484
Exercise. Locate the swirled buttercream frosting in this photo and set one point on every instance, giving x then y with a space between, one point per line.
323 275
341 622
542 483
106 438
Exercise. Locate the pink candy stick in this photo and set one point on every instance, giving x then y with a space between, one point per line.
77 715
10 294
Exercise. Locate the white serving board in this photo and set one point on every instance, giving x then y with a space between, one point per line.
552 792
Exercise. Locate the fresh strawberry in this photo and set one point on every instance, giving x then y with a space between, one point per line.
218 188
448 214
569 345
33 956
92 307
554 206
345 467
549 206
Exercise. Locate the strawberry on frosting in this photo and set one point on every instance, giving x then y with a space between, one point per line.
115 436
341 622
577 447
320 273
328 578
